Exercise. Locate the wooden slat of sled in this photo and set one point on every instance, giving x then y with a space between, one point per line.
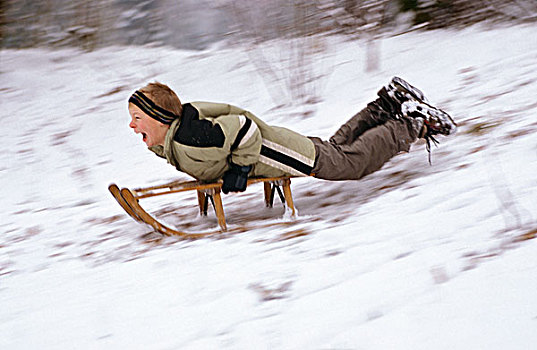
204 191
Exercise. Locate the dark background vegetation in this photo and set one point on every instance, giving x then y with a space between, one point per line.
195 24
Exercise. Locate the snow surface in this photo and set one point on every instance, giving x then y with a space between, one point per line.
411 257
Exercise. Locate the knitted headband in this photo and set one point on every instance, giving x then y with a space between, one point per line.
151 109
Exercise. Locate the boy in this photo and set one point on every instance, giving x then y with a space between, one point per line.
210 141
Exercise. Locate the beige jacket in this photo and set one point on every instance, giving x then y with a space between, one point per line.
209 136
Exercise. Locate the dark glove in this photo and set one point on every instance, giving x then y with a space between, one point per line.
235 178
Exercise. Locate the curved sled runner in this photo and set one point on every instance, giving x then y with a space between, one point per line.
129 200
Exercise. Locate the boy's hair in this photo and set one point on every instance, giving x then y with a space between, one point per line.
163 97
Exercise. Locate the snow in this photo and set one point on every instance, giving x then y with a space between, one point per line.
411 257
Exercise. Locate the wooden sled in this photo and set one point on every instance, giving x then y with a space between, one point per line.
129 200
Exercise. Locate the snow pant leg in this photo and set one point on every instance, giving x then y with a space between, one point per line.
365 155
369 117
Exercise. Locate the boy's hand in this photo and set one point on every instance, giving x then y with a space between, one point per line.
236 178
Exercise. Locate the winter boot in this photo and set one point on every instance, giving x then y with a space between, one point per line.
410 103
436 120
398 91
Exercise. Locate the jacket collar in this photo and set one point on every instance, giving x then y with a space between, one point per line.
168 142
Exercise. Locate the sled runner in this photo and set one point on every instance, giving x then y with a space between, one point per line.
129 200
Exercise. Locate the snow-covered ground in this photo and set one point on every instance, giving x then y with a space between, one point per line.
411 257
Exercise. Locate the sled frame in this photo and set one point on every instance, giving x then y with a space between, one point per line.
129 200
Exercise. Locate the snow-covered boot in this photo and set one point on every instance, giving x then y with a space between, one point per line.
400 91
396 93
410 103
436 120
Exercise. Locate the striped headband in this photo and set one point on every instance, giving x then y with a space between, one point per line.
151 109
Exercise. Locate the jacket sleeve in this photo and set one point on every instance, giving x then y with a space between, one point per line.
243 138
242 135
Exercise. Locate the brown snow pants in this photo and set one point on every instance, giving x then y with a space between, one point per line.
362 145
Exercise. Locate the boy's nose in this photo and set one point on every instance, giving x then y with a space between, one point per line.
132 125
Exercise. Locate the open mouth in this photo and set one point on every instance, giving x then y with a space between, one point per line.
144 136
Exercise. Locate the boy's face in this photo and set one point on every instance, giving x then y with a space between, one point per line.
153 132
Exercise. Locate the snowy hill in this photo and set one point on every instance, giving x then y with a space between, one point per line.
411 257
